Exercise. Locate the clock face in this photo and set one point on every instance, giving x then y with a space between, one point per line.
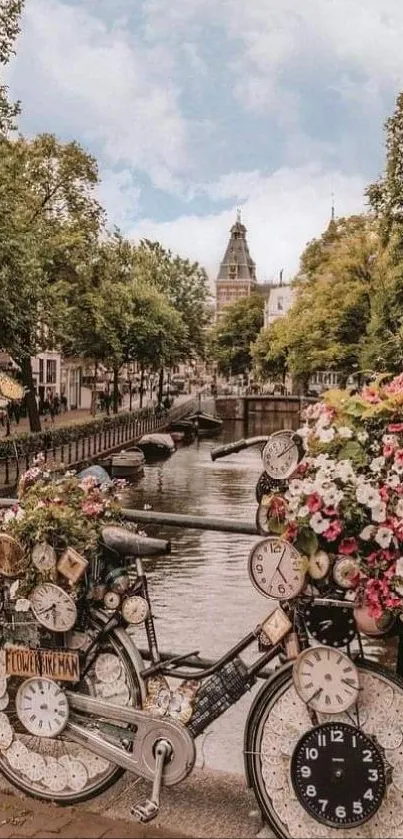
42 707
276 626
112 600
44 556
338 774
335 627
135 609
276 569
326 680
319 565
53 607
13 559
344 570
281 455
266 485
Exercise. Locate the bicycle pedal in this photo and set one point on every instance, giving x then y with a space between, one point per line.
145 812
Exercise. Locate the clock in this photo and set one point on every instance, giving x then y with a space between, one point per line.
13 559
112 600
53 607
266 485
319 565
326 680
338 775
43 557
281 454
72 565
42 707
344 570
276 626
135 609
334 626
276 569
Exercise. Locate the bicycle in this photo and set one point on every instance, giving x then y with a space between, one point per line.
119 713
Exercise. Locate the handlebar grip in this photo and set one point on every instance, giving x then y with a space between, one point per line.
231 448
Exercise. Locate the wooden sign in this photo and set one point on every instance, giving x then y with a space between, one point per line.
72 565
61 665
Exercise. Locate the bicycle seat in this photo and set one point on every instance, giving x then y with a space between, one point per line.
127 543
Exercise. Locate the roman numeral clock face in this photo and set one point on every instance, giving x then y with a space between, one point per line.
42 707
276 569
326 680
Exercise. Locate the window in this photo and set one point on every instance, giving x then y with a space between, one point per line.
50 371
41 371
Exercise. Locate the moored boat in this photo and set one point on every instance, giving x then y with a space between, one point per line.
185 427
125 464
206 425
155 446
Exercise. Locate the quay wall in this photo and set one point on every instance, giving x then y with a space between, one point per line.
250 407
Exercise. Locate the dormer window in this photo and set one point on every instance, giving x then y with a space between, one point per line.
232 271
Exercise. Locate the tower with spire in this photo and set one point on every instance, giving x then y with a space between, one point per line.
237 274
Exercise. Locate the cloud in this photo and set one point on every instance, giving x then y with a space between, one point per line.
282 212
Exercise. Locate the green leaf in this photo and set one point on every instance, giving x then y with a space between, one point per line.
307 541
276 526
352 451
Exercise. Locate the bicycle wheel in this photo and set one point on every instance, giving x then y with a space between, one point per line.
277 720
59 769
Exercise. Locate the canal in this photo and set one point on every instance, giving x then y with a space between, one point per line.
203 599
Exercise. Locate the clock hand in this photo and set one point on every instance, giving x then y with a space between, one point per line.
311 698
281 574
286 450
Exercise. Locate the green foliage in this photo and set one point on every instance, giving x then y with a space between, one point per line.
10 12
236 329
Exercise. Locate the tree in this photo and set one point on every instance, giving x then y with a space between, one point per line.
236 329
10 12
49 220
386 195
327 322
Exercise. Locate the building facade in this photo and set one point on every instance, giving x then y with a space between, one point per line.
278 302
237 274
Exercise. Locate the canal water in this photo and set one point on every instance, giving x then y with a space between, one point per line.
202 596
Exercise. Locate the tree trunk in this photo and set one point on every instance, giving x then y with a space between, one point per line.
30 399
94 391
130 395
141 385
115 390
160 385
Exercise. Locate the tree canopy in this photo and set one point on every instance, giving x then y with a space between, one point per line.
230 338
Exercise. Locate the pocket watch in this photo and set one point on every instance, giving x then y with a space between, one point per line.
135 609
276 569
344 570
53 607
319 565
112 600
281 454
276 626
326 680
42 707
43 557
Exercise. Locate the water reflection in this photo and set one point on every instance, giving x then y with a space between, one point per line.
203 599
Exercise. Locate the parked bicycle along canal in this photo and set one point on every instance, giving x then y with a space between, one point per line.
203 599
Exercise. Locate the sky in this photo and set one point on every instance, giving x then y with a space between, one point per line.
197 107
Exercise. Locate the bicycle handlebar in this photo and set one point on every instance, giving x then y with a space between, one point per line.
238 446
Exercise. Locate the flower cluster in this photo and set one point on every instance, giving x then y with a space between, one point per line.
62 510
346 497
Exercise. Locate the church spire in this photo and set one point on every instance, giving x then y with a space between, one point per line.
237 274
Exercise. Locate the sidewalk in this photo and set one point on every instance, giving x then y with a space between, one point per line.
24 817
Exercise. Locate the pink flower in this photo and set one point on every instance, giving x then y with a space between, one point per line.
395 386
330 511
333 531
384 492
388 450
91 508
290 532
399 456
395 427
314 502
370 395
88 483
348 546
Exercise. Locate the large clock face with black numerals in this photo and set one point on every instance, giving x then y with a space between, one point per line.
281 454
338 774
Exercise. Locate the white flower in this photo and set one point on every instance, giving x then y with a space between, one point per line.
398 468
332 496
295 488
304 431
399 508
9 515
344 471
368 532
22 605
13 589
345 432
325 435
303 511
383 536
362 436
379 512
318 523
390 440
368 495
377 464
392 481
